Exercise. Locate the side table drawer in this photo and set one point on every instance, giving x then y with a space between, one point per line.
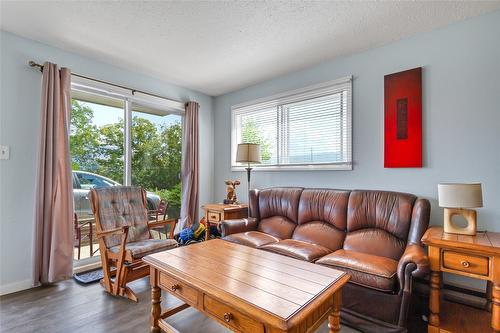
232 318
213 216
465 262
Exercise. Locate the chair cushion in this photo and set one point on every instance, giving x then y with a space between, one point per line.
298 249
251 238
148 246
120 206
366 269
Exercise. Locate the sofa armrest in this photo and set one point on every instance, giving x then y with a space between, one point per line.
419 220
229 227
413 262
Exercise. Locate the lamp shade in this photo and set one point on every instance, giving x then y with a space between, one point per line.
248 153
456 195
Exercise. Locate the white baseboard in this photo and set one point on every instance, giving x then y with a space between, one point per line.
87 267
15 286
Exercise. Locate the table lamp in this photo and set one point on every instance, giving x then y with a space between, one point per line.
248 153
457 199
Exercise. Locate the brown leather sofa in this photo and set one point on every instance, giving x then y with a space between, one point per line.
372 235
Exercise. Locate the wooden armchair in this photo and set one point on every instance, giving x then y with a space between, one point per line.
123 231
77 241
161 213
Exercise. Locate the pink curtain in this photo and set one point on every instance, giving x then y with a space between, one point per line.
189 172
53 239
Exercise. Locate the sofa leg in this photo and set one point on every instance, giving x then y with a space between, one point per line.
334 318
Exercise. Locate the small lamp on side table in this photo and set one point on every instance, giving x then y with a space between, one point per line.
248 153
457 199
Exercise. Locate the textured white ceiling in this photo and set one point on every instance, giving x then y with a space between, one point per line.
218 47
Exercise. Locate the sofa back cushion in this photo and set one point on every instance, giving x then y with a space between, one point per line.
278 210
378 222
322 217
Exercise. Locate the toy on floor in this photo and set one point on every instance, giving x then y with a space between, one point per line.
194 234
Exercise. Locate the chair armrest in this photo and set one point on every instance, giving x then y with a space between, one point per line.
229 227
154 224
83 222
120 230
413 262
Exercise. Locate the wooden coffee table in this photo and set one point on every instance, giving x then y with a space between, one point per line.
245 289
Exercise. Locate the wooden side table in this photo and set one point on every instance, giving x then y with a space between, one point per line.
473 256
215 213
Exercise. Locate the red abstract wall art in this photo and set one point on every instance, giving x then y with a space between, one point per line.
403 119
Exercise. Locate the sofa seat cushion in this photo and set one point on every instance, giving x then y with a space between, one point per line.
365 269
143 248
297 249
252 238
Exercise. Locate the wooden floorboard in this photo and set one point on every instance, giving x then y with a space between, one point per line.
70 307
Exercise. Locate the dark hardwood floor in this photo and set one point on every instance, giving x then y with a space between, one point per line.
70 307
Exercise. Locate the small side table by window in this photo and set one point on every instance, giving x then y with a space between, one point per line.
215 213
472 256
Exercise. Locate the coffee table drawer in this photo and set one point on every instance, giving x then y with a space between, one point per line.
178 288
465 263
231 317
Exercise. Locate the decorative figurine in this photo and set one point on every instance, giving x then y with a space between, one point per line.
231 191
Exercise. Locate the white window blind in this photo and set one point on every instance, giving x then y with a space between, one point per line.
301 129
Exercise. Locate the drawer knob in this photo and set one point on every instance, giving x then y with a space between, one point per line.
228 316
175 287
465 263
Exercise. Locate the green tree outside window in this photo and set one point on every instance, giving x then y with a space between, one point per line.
252 133
156 152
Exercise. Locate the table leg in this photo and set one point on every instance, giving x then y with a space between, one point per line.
434 298
155 308
207 231
489 291
495 307
334 318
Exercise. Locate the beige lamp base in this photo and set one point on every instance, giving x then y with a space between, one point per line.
469 214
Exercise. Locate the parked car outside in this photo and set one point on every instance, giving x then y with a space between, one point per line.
84 181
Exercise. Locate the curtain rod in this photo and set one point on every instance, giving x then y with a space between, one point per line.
33 64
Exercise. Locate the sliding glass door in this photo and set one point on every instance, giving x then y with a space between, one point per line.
116 141
156 156
96 147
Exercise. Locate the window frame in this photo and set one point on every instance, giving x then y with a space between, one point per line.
98 92
309 92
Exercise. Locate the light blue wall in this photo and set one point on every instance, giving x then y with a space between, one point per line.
461 117
19 123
